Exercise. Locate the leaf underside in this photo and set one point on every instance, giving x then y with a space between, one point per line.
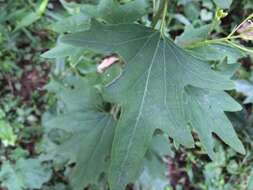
162 87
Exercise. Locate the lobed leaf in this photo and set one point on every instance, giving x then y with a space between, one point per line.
217 52
113 12
25 174
91 132
162 87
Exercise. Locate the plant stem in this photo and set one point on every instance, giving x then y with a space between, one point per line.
42 7
155 7
160 12
228 39
163 23
157 11
240 47
219 40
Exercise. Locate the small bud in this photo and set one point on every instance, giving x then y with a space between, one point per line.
219 14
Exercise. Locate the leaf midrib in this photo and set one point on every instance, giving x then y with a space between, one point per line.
140 110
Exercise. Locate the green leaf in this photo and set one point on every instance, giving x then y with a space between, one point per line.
72 7
213 175
226 69
114 12
108 10
25 174
91 132
217 52
153 175
27 20
7 135
160 146
162 86
62 50
224 4
246 88
250 181
42 7
206 112
75 23
31 17
192 35
182 19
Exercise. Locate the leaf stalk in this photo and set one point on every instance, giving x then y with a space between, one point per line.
163 23
228 39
